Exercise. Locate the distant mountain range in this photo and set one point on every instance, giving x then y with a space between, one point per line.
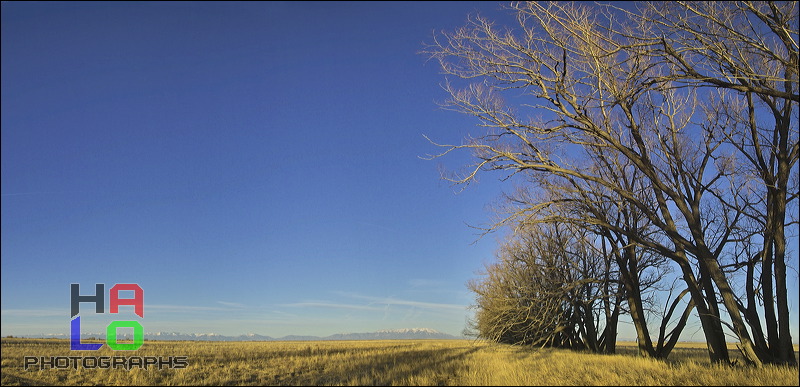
391 334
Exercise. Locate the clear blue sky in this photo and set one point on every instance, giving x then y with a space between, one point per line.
253 166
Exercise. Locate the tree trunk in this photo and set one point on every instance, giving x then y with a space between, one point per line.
715 342
634 295
714 319
610 334
664 351
729 300
785 347
751 313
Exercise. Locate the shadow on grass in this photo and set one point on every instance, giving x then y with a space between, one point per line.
680 354
9 379
433 366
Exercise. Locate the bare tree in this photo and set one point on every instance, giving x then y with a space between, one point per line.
573 86
548 288
748 51
593 210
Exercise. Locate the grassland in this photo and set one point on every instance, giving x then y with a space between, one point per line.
423 362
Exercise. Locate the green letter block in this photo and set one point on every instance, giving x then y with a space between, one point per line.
138 335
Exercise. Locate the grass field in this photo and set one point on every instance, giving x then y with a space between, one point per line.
422 362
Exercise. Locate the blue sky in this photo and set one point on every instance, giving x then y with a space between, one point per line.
255 167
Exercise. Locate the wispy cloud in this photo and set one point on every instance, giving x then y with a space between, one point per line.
232 304
188 308
34 312
284 314
417 304
396 301
332 306
425 283
423 286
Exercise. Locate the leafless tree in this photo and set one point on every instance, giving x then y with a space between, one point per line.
548 288
641 270
747 51
574 90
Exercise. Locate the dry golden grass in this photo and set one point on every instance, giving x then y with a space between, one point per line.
422 362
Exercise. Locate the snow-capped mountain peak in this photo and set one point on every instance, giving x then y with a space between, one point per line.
409 330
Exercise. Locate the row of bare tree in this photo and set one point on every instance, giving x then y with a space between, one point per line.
641 140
